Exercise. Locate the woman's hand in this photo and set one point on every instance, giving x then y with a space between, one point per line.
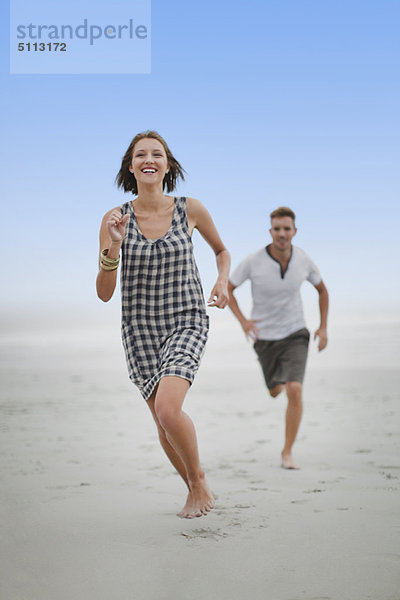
112 233
219 296
116 225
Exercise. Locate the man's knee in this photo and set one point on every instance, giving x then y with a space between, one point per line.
294 390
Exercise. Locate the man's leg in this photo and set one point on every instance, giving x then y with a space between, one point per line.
294 412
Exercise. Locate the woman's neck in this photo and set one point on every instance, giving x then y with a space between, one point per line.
150 198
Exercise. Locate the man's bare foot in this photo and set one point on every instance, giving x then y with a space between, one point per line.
199 501
288 462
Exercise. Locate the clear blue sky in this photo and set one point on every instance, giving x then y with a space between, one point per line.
265 103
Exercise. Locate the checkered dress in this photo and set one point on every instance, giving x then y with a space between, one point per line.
164 320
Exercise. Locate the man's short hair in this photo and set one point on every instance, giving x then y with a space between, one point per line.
283 211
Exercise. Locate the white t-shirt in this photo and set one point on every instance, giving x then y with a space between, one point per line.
277 305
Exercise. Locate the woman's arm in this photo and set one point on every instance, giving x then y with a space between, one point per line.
200 218
112 233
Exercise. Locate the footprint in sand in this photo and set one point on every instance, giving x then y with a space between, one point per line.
225 466
205 533
388 475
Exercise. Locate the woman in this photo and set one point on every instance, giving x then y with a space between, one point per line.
164 321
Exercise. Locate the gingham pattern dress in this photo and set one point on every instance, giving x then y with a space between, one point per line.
164 320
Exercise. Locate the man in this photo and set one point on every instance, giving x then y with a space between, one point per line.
277 323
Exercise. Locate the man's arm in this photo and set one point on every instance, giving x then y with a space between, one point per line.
249 327
321 332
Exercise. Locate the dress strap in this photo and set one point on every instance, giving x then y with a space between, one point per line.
181 206
125 207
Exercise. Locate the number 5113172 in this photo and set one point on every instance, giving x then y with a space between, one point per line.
42 47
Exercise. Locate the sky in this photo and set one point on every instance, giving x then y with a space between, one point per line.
264 103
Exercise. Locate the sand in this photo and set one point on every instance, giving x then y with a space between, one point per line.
89 501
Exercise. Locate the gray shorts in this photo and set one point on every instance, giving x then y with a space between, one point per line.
283 360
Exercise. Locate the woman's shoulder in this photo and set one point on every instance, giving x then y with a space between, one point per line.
108 213
122 207
193 205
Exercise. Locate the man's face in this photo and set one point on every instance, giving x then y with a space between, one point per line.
282 230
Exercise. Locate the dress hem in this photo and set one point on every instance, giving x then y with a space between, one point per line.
183 373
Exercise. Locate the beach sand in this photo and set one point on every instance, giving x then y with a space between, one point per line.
89 501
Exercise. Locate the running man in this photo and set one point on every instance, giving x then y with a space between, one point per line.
277 324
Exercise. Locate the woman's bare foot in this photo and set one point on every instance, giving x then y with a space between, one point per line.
288 462
187 509
199 501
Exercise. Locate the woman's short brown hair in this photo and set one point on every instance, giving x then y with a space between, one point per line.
282 211
126 180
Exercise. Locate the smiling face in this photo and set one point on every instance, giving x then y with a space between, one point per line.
149 162
282 231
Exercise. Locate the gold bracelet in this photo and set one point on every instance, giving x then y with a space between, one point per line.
108 267
104 254
108 261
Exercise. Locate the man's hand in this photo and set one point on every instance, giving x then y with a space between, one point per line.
250 328
323 338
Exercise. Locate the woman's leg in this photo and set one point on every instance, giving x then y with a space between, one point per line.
168 449
180 434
